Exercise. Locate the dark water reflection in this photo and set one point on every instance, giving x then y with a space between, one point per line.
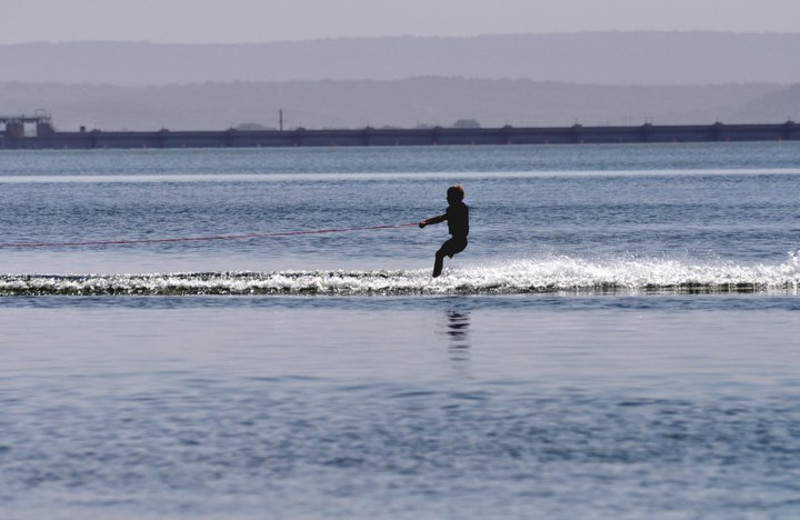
458 334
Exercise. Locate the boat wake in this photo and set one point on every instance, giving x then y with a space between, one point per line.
557 274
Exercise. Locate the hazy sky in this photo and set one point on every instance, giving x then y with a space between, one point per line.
234 21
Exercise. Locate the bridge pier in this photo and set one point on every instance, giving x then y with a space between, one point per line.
15 125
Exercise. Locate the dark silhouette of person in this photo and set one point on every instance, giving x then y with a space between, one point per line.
457 217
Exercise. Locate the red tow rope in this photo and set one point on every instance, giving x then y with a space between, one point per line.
198 239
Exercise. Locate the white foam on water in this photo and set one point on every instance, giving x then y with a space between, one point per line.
551 274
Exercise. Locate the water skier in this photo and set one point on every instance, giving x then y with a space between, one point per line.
457 217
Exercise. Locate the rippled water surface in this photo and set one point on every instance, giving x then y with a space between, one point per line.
619 340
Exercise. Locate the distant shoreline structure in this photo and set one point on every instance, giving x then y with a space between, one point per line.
14 137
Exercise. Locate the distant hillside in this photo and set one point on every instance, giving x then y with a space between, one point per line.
778 106
404 103
611 58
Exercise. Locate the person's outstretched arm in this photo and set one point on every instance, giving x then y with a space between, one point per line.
433 220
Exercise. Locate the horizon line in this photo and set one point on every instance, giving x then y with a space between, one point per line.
402 36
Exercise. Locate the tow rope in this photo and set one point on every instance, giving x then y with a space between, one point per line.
199 239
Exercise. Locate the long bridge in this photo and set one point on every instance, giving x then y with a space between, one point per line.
45 137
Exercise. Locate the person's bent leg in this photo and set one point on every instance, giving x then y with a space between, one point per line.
439 263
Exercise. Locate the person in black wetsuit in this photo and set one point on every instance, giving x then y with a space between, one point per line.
457 217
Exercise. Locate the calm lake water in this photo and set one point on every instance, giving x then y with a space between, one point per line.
620 339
